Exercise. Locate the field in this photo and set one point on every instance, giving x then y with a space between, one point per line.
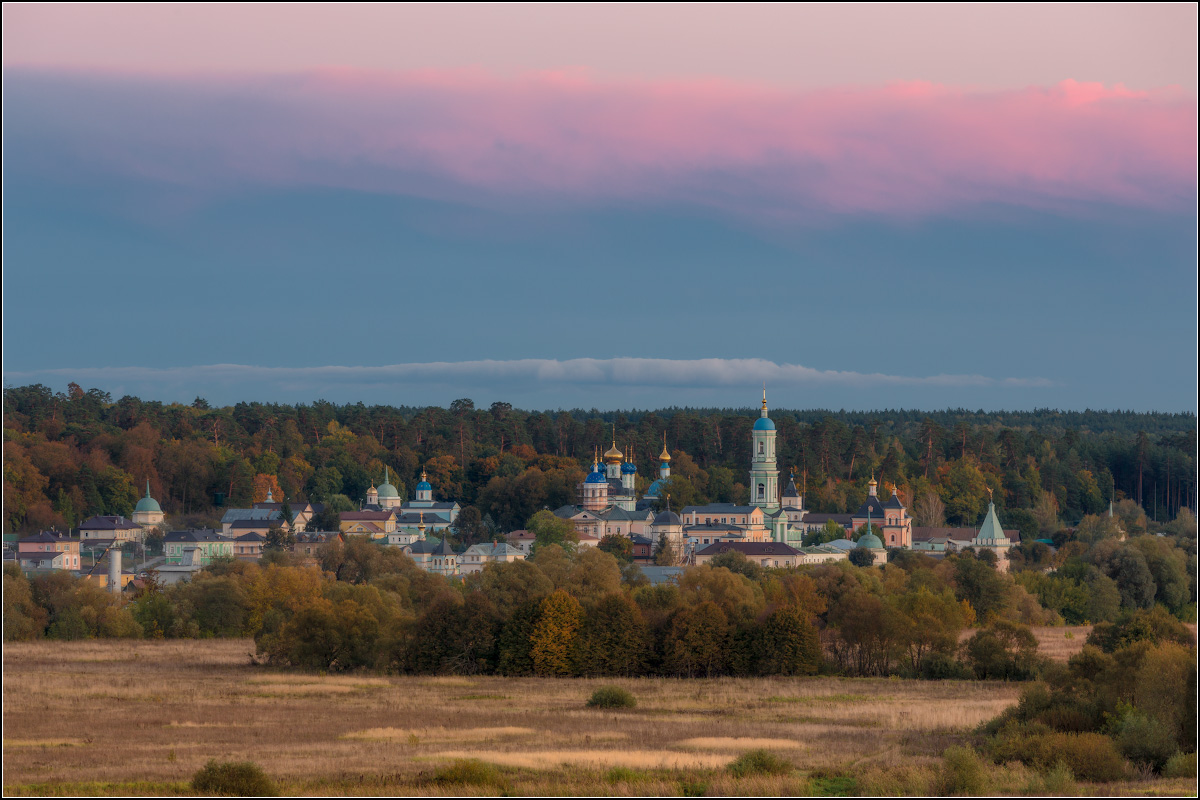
140 717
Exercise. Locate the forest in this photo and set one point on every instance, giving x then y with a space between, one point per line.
71 455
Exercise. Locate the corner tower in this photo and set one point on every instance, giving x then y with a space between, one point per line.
764 470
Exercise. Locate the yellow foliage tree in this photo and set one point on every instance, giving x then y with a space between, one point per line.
553 637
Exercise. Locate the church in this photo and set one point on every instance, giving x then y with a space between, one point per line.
608 503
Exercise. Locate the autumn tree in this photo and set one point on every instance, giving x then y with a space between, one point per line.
552 640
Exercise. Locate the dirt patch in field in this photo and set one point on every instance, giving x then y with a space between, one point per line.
597 759
739 743
425 735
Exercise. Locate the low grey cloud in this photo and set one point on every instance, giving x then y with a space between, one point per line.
629 372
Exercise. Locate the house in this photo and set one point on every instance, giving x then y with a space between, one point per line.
643 549
522 540
261 518
823 554
307 546
478 556
302 513
249 546
376 524
766 554
109 528
48 550
725 522
205 545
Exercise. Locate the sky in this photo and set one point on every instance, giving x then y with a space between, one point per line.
918 206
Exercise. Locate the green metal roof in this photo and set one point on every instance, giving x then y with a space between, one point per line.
990 530
148 503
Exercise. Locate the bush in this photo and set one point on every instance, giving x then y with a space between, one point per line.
1060 780
943 667
611 697
759 762
233 779
962 772
1089 756
471 772
1181 765
1146 741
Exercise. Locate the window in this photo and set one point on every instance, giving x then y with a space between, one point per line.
760 448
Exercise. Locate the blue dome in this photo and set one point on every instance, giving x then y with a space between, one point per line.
596 477
764 424
424 486
655 489
628 469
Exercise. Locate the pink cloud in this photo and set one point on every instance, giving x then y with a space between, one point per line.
905 148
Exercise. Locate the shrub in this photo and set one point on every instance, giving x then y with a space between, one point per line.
622 775
1144 740
471 772
1060 780
1181 765
759 762
941 667
233 779
1091 756
611 697
962 772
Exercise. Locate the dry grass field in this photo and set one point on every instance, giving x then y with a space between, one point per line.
140 717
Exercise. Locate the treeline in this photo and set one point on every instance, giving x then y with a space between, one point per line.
69 456
563 612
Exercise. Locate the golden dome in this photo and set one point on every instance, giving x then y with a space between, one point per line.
664 455
873 482
613 455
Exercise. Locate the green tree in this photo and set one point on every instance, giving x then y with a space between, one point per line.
787 644
549 529
697 641
664 552
618 546
829 532
861 557
613 639
1004 651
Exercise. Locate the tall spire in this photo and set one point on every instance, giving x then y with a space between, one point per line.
764 405
386 477
148 494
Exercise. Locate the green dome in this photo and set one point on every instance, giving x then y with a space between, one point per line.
869 541
386 489
148 503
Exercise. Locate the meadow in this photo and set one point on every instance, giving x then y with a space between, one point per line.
116 717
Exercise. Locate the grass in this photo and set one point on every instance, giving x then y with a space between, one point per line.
391 736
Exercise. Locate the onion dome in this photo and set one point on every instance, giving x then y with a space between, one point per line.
424 486
628 469
869 541
596 476
386 489
613 455
148 503
872 482
664 455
